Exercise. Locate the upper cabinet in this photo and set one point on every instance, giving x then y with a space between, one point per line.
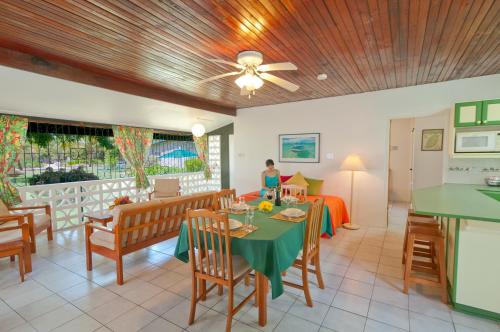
477 113
491 112
468 114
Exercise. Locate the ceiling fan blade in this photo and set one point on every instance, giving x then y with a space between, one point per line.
218 76
280 82
277 66
234 64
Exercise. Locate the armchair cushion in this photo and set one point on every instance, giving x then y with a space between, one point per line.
104 239
10 236
166 187
42 222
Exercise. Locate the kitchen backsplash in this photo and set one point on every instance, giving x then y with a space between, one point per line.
471 171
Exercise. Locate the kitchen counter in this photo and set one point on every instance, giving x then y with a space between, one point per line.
464 201
470 220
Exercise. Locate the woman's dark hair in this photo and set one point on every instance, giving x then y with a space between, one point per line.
269 162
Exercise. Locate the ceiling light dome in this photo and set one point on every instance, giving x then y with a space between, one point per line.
198 130
249 82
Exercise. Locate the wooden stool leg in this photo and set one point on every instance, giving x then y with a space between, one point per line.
409 260
442 272
21 265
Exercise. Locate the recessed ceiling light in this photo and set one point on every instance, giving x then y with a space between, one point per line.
322 77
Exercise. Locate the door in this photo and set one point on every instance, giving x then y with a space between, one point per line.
401 160
468 114
491 112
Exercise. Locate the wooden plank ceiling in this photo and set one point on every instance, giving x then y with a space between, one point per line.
362 45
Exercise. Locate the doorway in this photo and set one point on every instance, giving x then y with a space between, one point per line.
401 158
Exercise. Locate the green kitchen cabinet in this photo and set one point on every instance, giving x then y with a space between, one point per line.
468 114
490 113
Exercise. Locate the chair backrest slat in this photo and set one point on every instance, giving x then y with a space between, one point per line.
144 221
313 227
209 244
224 197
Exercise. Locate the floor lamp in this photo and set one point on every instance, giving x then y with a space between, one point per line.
353 164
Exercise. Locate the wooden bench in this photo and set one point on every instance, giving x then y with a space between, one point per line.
140 225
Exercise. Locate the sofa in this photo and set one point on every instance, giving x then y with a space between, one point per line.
140 225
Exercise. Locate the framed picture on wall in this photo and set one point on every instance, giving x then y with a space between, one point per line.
432 140
299 148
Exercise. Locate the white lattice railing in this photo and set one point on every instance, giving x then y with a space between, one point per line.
71 201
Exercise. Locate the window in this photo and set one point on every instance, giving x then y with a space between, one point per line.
56 153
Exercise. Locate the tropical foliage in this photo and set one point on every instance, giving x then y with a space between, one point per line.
62 176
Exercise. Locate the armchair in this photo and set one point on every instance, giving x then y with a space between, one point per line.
164 188
36 223
15 241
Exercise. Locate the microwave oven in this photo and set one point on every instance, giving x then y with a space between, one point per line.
477 142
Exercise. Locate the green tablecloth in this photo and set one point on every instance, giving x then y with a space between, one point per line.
271 249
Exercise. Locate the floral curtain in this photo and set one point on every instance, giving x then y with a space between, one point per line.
12 135
134 144
201 144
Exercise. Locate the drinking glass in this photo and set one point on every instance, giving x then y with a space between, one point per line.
241 200
251 215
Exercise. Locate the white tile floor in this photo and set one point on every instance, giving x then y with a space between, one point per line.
362 272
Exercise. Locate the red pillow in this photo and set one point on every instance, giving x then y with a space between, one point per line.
285 178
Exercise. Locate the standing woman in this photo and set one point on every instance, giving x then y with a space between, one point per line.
270 177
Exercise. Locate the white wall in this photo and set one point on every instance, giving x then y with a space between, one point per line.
428 166
348 124
400 160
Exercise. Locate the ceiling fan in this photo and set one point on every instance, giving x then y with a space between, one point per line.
253 72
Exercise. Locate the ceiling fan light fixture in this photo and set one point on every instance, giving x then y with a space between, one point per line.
249 82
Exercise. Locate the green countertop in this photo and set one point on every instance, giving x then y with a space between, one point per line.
464 201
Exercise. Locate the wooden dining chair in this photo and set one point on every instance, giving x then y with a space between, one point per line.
224 197
15 241
310 251
211 260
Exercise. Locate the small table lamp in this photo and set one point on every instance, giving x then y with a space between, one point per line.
352 163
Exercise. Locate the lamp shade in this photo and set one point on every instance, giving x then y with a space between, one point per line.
352 163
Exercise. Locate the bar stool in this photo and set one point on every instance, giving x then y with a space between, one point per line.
424 249
426 269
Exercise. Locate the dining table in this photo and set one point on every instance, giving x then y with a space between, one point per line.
270 250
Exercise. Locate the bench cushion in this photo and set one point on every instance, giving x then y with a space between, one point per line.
104 239
42 222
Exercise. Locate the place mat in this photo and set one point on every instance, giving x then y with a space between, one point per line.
279 216
239 233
